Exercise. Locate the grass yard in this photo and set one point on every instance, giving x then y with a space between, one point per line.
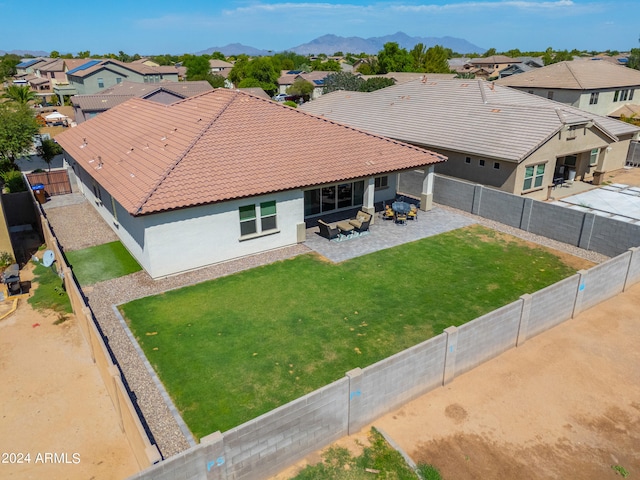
233 348
50 294
103 262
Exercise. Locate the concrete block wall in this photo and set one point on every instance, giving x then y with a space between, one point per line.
602 282
550 306
487 337
271 442
633 273
556 222
454 193
396 380
612 237
501 206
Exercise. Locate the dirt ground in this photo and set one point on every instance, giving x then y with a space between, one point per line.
53 401
564 405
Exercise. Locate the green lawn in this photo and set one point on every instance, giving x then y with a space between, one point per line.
233 348
103 262
50 294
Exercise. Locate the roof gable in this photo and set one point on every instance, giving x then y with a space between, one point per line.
223 145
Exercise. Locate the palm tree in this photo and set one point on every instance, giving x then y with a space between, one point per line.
19 93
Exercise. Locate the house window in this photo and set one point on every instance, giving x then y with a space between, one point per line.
331 197
249 214
467 160
113 209
496 165
571 133
118 80
593 157
631 94
100 83
530 92
550 95
481 163
381 182
97 192
248 220
570 160
593 99
268 216
533 176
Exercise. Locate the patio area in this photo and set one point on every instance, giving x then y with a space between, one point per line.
384 233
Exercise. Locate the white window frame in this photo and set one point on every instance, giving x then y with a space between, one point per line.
257 217
593 157
536 177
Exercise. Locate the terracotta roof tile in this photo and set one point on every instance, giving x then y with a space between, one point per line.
223 145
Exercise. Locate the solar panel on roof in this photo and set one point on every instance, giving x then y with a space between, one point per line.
319 82
27 63
84 66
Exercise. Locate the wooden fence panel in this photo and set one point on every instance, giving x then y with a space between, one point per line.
55 182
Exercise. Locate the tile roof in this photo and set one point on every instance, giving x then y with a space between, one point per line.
627 111
91 66
143 90
471 116
287 78
92 103
215 63
576 75
493 60
224 145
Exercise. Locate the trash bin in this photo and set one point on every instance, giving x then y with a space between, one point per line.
38 191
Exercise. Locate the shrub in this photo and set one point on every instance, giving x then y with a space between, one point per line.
13 181
5 259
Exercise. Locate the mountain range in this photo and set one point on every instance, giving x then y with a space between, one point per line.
330 44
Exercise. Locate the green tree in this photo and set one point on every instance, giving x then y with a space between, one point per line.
54 54
19 93
218 56
262 69
239 70
215 80
342 81
8 65
123 57
249 82
634 59
13 181
301 87
490 53
392 58
376 83
18 126
436 60
197 67
48 150
84 54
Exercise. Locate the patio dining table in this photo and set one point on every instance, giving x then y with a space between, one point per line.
400 207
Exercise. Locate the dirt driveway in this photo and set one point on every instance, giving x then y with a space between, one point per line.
565 405
53 402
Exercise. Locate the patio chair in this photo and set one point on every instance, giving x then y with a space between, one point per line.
413 213
387 213
328 231
401 218
361 222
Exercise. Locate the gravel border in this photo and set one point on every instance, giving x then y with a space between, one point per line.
160 414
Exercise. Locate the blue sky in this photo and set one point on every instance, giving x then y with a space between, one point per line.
162 26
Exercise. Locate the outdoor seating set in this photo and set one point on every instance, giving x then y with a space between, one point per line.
346 229
400 212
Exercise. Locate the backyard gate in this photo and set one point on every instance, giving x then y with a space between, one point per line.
55 182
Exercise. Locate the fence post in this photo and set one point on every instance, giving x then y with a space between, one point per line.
114 372
633 271
587 229
355 404
214 454
527 209
582 286
450 355
523 328
477 199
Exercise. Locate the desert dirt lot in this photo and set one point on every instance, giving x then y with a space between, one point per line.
564 405
53 401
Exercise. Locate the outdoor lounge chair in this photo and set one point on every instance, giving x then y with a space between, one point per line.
387 213
328 231
361 222
401 218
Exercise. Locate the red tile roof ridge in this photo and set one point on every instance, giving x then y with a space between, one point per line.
181 157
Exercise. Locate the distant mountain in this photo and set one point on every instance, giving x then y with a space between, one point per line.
24 53
236 49
332 43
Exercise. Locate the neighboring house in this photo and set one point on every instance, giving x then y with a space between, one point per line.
493 135
489 67
316 78
95 75
592 85
146 61
526 64
220 67
226 174
28 66
257 91
88 106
